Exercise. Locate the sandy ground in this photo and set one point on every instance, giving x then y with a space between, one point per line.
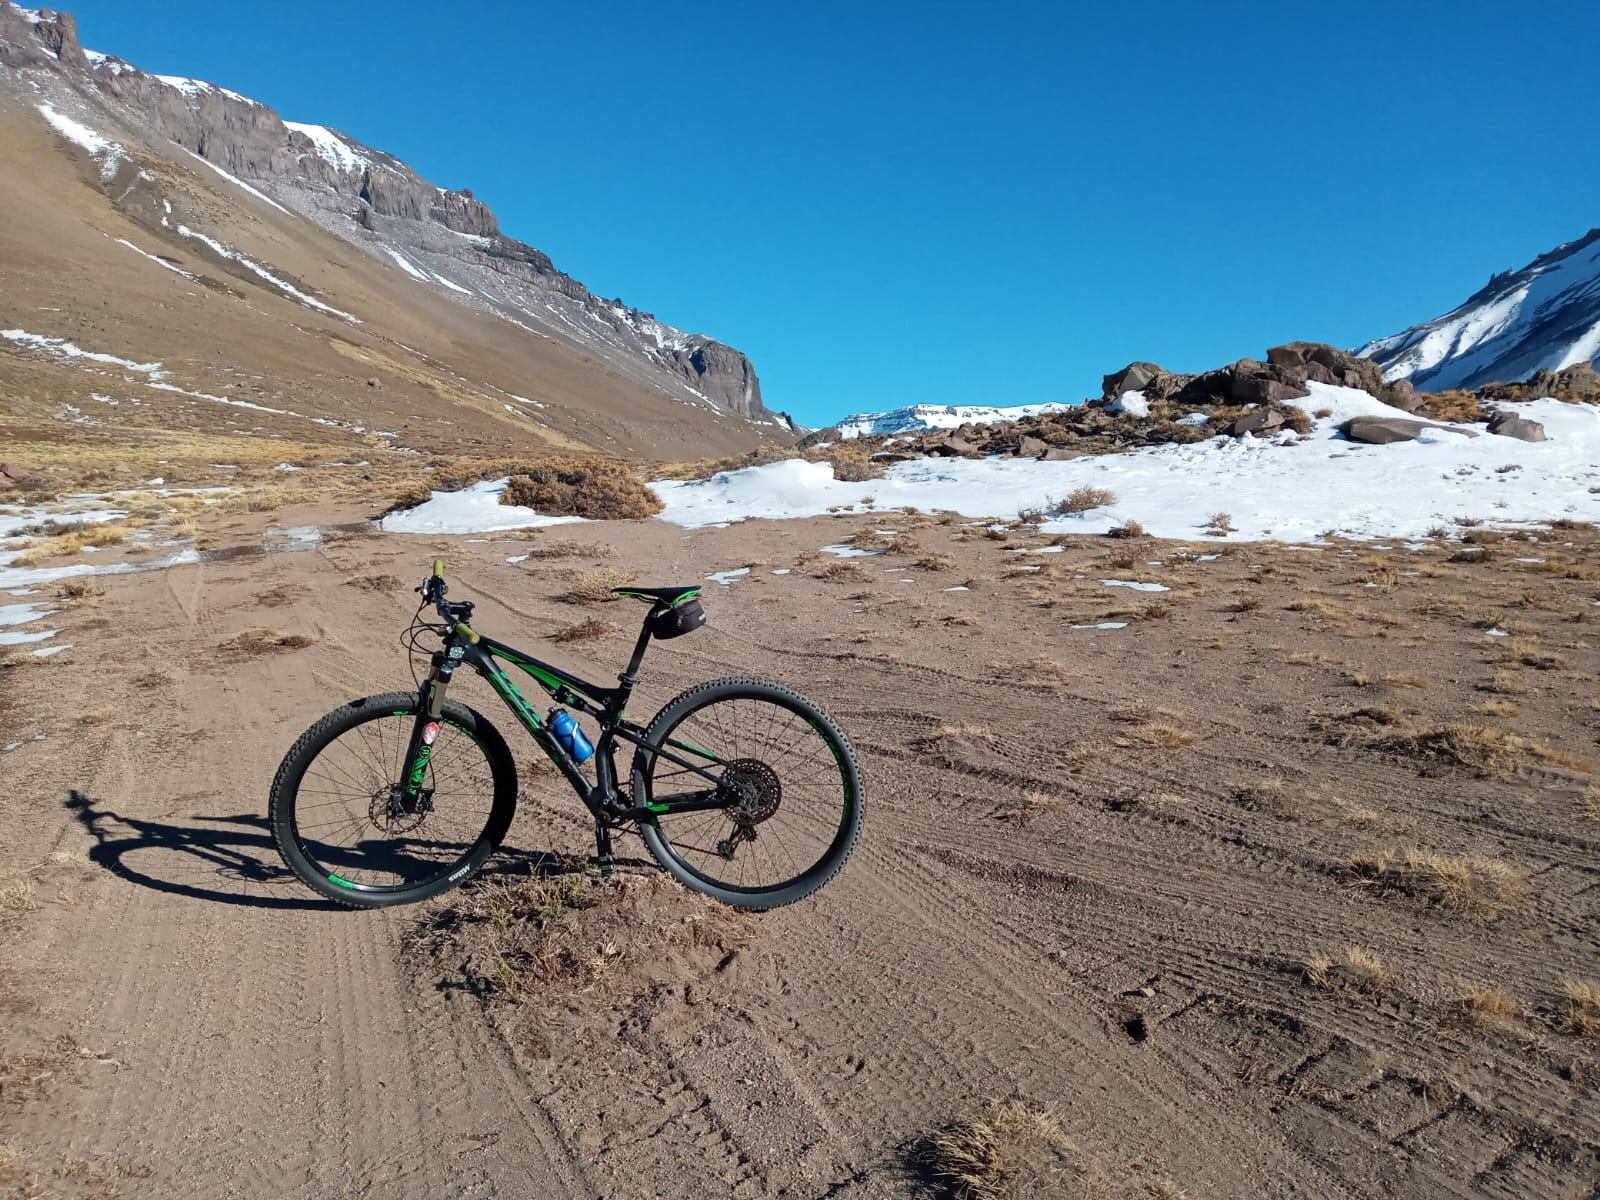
1113 871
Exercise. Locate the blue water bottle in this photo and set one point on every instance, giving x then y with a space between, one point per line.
570 734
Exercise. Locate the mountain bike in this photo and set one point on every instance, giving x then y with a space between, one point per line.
741 788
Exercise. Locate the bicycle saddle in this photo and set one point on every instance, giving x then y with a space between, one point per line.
660 595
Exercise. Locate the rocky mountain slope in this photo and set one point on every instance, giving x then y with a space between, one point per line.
171 222
1544 317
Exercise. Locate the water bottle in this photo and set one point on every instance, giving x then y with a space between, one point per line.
570 734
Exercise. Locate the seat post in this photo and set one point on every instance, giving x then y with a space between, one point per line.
628 676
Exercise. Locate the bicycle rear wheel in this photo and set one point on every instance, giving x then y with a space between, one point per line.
337 820
789 774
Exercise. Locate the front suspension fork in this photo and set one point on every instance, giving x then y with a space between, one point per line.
419 751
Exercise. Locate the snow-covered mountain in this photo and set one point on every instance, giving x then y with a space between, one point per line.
1545 316
917 418
445 240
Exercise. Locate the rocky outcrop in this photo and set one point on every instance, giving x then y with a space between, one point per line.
1577 384
51 37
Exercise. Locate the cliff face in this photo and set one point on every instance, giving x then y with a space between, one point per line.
446 239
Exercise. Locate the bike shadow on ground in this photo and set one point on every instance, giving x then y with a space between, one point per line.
233 859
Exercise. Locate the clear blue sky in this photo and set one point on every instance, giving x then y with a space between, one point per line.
886 204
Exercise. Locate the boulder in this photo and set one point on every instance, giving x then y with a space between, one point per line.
1059 454
1287 356
950 446
1204 389
1320 374
1131 378
1264 389
1400 394
1029 446
1382 431
1263 420
1510 425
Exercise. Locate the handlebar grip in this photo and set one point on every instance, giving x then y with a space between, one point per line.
438 568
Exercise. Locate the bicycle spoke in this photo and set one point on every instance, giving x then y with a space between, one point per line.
787 768
357 826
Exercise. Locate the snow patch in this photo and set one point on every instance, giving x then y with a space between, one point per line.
476 509
331 147
61 348
251 265
405 264
1285 488
1129 404
106 152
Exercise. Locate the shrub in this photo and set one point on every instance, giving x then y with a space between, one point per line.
594 586
592 488
1082 499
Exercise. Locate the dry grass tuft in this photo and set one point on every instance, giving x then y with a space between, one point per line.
1583 1008
1156 728
1590 801
1504 683
1480 747
834 568
1496 708
1009 1150
1483 1004
587 630
568 548
102 533
946 735
80 589
1033 804
1353 967
254 643
1482 888
16 901
594 585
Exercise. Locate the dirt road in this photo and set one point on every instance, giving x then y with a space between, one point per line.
1115 871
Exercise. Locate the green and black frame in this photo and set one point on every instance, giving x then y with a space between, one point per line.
741 788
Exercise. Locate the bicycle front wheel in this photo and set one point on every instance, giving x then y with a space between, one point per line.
338 820
790 778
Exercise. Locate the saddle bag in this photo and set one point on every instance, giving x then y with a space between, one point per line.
675 622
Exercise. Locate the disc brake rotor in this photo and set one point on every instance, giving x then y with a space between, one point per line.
387 813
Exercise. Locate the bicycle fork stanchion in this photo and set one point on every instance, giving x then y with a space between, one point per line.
426 727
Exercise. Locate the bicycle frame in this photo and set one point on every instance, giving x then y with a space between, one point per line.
604 798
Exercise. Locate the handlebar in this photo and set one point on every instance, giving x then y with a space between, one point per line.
456 614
